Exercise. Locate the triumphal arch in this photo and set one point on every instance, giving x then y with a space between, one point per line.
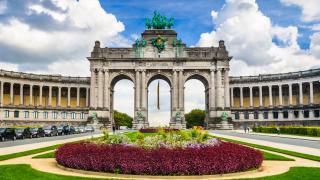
159 54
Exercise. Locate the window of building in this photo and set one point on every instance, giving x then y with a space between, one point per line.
246 115
54 115
316 113
256 115
45 115
64 115
16 114
306 113
285 114
73 115
275 114
6 113
236 115
296 114
81 115
35 114
26 114
265 115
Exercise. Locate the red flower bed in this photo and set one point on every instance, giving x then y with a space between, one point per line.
224 158
154 130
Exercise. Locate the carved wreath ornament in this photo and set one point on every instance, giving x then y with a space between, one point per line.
159 42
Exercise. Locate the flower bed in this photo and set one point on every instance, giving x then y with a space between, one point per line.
129 159
154 130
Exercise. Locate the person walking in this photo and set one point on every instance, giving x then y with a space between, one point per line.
113 129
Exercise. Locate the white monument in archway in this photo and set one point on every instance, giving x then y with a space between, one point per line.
158 54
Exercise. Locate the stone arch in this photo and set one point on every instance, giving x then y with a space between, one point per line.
163 76
202 77
116 77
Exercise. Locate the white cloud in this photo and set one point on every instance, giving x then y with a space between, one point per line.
249 35
214 15
310 8
8 66
85 21
315 44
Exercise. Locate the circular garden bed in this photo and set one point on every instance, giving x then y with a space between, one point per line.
211 156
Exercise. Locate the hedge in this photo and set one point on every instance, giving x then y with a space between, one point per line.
294 130
154 130
223 158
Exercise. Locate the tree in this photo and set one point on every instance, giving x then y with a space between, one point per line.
122 119
195 118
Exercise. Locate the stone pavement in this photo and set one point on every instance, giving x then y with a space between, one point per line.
301 149
280 135
26 147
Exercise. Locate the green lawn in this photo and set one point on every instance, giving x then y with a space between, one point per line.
30 152
295 173
133 135
25 172
275 157
46 155
268 148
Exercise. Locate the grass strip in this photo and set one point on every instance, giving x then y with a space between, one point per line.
46 155
30 152
275 157
268 148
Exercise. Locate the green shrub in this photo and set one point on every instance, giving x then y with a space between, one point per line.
294 130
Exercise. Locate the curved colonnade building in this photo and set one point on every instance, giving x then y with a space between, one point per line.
279 99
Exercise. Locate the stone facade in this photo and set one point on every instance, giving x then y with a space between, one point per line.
175 65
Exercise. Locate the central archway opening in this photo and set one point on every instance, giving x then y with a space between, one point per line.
159 109
196 103
122 101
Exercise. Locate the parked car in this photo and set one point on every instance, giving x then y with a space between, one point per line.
81 129
77 129
61 130
69 129
23 133
37 132
89 129
7 133
51 131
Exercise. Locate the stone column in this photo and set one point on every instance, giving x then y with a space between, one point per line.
92 88
251 96
1 93
311 93
40 95
212 90
59 96
87 97
31 95
181 91
21 94
106 89
241 97
300 94
280 95
260 96
143 90
290 94
137 90
78 96
219 94
11 93
100 88
50 96
175 89
232 100
270 95
226 89
68 99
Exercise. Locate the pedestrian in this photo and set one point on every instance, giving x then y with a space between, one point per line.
245 129
248 129
114 129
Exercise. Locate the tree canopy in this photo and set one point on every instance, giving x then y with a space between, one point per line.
122 119
195 118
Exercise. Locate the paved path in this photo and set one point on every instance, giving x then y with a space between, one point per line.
295 145
51 142
275 139
18 142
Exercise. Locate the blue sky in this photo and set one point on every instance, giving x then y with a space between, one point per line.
192 18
